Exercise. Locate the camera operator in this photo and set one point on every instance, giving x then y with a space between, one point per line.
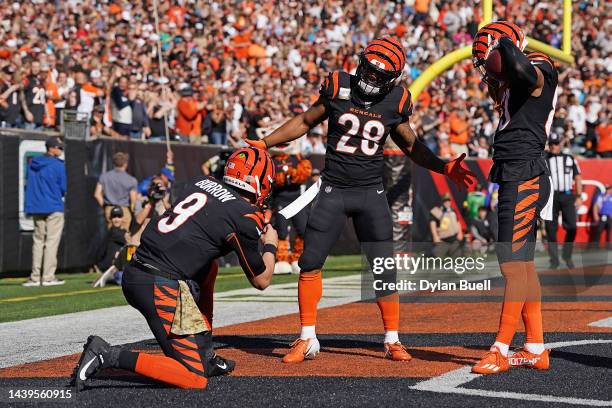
152 205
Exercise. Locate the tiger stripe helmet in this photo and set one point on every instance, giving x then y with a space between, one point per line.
250 169
488 34
380 66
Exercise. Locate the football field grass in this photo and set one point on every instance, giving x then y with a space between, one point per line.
77 294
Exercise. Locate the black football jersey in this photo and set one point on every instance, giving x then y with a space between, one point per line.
35 96
208 220
524 126
358 129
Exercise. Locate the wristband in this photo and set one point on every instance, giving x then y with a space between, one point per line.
269 248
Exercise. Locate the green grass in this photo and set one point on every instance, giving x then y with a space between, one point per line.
19 303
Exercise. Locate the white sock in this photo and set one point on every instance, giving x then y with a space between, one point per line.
503 348
391 336
535 348
308 332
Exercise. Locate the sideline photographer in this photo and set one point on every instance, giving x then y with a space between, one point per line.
154 204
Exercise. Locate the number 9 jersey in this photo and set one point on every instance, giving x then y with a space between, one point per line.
209 220
358 128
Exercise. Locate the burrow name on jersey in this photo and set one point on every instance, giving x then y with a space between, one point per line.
216 190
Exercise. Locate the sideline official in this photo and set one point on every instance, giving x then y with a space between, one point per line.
565 175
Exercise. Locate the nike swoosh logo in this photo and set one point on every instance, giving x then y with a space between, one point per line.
258 231
380 192
222 366
84 369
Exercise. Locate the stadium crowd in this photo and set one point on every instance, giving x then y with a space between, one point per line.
232 67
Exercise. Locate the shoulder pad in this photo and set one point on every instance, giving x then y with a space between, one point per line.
542 61
337 85
253 224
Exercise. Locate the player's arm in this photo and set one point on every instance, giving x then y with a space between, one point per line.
257 267
98 195
296 126
407 141
578 184
518 68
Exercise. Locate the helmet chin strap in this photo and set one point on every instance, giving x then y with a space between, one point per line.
258 193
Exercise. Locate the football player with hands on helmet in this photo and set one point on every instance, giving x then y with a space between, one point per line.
362 111
171 277
524 89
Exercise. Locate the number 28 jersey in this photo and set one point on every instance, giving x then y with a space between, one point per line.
358 129
208 220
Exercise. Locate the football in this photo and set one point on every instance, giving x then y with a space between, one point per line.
494 66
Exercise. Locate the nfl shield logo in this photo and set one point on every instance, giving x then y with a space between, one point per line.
328 189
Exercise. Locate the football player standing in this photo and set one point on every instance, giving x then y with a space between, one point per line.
524 90
175 262
363 110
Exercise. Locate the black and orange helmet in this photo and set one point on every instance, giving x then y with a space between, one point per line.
250 169
380 65
488 34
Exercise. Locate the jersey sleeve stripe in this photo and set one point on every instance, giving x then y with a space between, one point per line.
335 81
255 218
403 99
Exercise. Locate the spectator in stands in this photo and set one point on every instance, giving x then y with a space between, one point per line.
97 126
121 106
602 215
459 131
258 64
33 98
445 229
117 188
140 120
215 125
313 142
90 93
10 104
158 108
577 114
189 116
44 200
481 147
604 135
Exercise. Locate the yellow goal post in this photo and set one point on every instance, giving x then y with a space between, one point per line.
447 61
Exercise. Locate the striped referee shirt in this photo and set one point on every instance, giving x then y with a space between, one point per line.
563 168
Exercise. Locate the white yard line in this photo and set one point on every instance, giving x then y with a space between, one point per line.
607 322
451 383
42 338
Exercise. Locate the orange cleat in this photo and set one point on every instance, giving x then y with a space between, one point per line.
493 362
397 352
524 358
302 349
